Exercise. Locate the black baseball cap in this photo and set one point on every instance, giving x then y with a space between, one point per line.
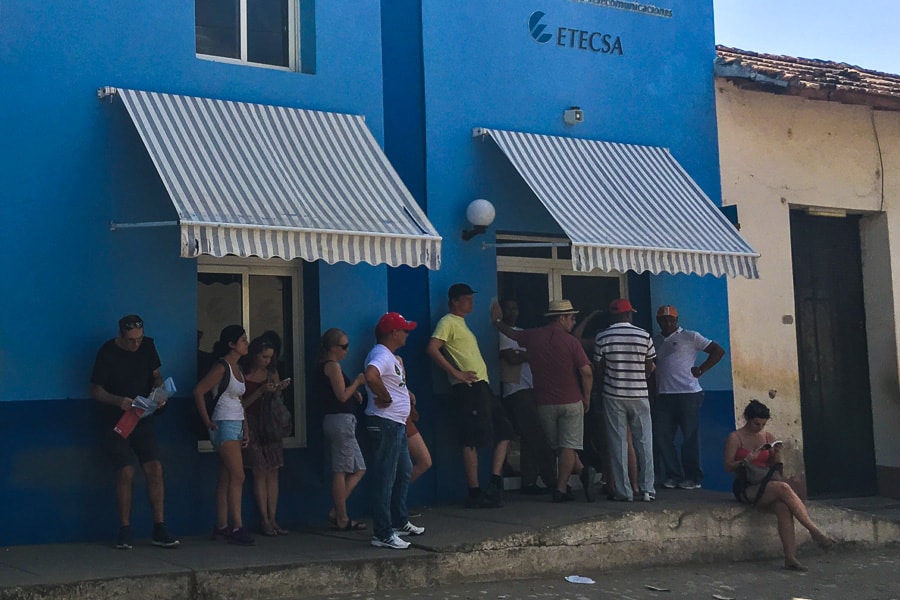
459 289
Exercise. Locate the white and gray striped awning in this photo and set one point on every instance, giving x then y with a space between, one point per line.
269 181
627 207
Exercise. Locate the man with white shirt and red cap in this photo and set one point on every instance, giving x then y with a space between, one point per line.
388 407
679 397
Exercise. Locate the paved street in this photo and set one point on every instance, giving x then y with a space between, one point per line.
870 575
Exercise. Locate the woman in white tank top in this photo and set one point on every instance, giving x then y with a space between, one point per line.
227 430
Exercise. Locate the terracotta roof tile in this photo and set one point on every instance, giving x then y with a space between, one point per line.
810 78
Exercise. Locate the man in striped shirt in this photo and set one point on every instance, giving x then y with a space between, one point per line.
624 356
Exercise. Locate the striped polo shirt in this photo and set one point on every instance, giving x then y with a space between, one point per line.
625 349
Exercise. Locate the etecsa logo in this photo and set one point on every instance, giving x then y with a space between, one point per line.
536 28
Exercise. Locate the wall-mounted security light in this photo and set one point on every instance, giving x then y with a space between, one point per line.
480 214
573 115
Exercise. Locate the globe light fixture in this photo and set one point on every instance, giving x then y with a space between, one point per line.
480 214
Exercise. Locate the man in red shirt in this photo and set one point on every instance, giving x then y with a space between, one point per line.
562 385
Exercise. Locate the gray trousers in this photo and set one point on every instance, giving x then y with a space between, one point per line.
620 415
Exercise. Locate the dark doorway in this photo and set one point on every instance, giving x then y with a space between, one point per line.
835 399
530 291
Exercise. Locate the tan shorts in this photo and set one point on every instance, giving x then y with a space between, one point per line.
563 424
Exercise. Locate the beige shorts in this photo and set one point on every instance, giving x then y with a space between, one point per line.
563 424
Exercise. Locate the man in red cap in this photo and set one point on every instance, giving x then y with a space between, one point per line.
680 397
386 412
624 356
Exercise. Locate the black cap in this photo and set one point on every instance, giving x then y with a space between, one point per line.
459 289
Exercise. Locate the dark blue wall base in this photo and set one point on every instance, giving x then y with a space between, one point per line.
716 422
57 485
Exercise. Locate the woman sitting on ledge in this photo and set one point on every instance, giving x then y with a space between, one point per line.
751 449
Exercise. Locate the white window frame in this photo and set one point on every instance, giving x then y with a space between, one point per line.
555 268
279 268
293 41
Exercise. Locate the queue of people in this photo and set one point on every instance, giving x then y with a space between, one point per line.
548 389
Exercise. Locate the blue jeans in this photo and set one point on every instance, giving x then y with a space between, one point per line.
389 474
672 412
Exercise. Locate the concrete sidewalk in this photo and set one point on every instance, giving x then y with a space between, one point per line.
528 538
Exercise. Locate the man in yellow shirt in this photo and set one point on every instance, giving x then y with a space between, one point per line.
483 422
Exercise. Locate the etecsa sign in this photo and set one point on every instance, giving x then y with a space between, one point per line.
573 38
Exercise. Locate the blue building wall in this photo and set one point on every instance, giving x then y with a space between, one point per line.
483 68
70 164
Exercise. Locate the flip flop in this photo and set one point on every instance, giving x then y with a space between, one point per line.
281 530
351 526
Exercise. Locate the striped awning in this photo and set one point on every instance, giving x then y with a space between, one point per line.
269 181
627 207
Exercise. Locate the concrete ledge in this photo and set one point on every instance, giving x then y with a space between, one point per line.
639 536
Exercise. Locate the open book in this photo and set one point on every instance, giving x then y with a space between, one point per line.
770 445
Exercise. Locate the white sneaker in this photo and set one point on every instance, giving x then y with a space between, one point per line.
687 484
647 496
409 529
670 484
391 542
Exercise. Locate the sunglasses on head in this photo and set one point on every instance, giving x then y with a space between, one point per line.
129 325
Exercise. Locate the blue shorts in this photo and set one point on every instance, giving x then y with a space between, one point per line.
228 431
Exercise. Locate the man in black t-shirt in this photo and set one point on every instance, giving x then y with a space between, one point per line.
128 366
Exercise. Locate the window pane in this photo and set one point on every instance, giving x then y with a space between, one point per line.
267 32
218 304
588 293
528 252
218 30
271 309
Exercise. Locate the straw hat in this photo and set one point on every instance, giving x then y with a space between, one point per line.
560 307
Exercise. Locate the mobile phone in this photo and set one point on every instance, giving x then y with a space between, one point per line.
286 382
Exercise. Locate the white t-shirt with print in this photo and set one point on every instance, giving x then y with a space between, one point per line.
393 375
675 355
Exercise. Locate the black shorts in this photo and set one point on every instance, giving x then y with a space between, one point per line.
483 420
141 443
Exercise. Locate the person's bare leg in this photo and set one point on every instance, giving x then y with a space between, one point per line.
351 480
500 451
577 466
567 458
222 496
156 490
421 457
124 482
780 490
632 465
260 494
272 497
470 465
787 535
339 498
230 454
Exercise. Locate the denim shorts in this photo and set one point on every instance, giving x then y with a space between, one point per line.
228 431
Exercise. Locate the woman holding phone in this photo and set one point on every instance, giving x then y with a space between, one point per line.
264 454
752 444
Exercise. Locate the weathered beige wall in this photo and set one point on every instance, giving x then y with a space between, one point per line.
781 152
883 296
